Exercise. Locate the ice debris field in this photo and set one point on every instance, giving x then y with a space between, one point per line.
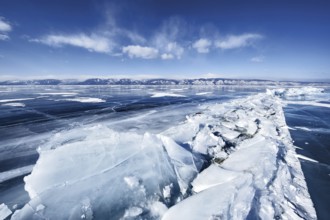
234 160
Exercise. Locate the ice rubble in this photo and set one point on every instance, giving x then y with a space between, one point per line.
4 211
261 176
228 161
301 91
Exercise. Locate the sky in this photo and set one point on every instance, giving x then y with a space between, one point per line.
281 40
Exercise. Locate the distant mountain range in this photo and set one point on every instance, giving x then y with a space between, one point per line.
125 81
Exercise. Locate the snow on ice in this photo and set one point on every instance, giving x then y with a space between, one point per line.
14 104
163 94
85 100
234 160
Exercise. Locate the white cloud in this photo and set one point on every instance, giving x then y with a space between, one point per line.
162 44
237 41
111 29
5 27
137 51
4 37
175 49
202 45
258 59
166 38
167 56
93 43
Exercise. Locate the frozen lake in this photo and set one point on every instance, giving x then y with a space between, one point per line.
52 119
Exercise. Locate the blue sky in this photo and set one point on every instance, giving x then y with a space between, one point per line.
165 38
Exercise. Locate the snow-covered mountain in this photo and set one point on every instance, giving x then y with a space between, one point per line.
126 81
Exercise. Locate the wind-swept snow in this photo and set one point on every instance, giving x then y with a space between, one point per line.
233 160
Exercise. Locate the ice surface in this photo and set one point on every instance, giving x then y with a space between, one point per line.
85 100
222 201
212 176
4 211
250 169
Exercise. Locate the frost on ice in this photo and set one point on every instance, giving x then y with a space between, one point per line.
233 160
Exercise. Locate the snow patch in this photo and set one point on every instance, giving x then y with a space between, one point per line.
163 94
58 93
203 93
306 158
15 100
85 100
14 104
312 103
302 128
